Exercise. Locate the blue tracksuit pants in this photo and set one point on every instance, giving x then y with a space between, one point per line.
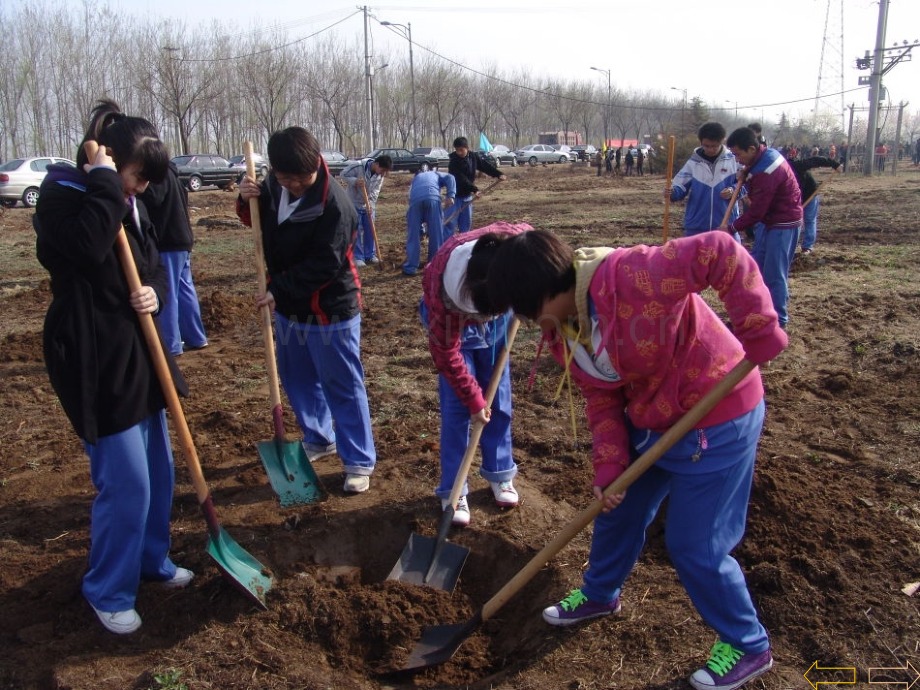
706 515
774 250
129 530
321 371
810 232
180 317
464 220
365 249
425 211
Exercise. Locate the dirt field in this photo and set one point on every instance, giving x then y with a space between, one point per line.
833 528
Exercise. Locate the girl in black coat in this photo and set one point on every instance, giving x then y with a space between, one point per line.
97 359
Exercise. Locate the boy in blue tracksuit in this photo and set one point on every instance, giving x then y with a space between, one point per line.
425 207
363 179
706 182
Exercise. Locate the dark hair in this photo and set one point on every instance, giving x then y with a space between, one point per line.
527 270
130 139
714 131
755 126
384 162
294 151
743 138
461 142
476 284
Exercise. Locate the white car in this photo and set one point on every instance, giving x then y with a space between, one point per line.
540 153
20 179
567 150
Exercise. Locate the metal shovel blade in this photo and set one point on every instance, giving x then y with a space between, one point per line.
439 642
289 470
237 565
417 564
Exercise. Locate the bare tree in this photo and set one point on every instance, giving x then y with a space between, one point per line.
441 90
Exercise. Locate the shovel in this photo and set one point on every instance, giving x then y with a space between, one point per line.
731 204
462 208
667 199
242 570
439 642
289 470
437 562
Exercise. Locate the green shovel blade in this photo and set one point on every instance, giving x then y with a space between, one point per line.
289 470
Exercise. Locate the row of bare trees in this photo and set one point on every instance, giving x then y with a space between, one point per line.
211 89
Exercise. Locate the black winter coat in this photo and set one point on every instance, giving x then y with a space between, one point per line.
94 348
464 172
806 180
167 204
309 257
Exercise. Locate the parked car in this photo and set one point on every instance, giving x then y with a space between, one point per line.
540 153
20 179
567 150
500 155
404 160
260 162
335 161
440 155
585 152
199 169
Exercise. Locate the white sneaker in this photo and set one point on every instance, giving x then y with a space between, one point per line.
461 516
315 452
360 263
181 579
506 496
119 622
357 483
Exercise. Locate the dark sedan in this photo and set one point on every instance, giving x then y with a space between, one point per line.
199 169
335 161
404 160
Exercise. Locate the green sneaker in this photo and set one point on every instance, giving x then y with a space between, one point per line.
576 608
729 668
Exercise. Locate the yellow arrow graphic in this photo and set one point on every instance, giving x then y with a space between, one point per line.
882 677
828 682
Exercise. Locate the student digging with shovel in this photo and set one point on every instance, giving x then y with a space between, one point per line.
630 328
97 359
308 235
465 335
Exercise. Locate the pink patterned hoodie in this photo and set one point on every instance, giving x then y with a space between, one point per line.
655 347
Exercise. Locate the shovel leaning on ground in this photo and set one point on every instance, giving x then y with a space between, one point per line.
242 570
437 562
286 463
439 642
370 219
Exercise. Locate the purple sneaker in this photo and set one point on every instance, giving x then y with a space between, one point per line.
576 608
729 668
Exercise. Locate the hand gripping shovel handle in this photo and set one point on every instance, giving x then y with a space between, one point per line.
633 472
731 204
370 219
476 434
667 199
460 210
271 363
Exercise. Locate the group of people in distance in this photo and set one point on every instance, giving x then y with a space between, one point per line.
627 325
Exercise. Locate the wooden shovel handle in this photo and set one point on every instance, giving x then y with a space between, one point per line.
370 219
820 187
646 460
460 209
731 204
265 313
667 199
476 431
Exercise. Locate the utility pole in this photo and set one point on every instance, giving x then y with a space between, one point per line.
875 88
368 84
408 35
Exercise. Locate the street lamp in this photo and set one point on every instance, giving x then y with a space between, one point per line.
736 107
607 113
373 71
406 30
683 107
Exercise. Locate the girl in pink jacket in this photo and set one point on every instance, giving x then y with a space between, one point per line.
644 347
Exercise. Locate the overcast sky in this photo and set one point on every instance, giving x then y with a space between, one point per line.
763 56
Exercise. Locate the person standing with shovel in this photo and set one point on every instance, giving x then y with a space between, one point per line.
97 359
631 330
308 234
464 336
463 166
364 180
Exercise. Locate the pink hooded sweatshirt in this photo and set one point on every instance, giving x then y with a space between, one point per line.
658 347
